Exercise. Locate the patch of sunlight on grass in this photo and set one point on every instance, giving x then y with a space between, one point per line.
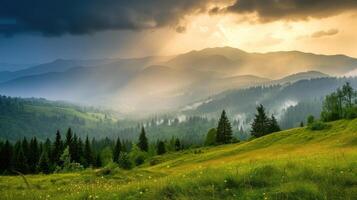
292 164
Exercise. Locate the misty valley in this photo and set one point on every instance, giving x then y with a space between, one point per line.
100 145
178 100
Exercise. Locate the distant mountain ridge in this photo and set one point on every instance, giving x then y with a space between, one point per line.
154 84
273 64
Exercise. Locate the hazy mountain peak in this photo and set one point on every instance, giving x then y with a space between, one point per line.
303 76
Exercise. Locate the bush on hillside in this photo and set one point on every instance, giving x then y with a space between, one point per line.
351 113
109 169
317 125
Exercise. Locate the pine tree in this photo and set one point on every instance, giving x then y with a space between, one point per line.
69 138
301 124
20 163
224 130
80 151
57 149
87 154
211 137
117 150
260 125
34 155
6 154
26 151
273 125
161 149
65 158
48 148
98 160
177 145
73 149
44 163
143 141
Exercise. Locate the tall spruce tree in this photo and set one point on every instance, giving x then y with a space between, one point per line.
98 160
80 147
273 125
161 149
73 149
26 150
117 150
260 125
44 163
88 154
177 145
211 137
224 130
69 138
6 154
34 155
57 149
20 162
143 141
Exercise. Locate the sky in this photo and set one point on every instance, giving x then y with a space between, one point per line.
35 31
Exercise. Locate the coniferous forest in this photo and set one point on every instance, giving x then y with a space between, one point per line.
70 152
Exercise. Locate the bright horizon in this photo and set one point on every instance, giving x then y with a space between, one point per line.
324 28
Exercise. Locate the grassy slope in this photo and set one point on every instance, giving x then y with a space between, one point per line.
292 164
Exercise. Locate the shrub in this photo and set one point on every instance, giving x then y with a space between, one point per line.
235 140
139 160
310 119
154 161
317 125
351 112
137 156
124 161
108 169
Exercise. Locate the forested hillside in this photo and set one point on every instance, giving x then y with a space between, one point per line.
290 102
41 118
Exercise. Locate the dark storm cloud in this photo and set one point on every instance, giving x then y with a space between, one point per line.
270 10
57 17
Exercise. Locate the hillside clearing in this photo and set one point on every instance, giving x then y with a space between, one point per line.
292 164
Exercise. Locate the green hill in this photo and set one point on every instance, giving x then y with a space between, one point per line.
21 117
292 164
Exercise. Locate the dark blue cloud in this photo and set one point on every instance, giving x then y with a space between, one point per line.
57 17
270 10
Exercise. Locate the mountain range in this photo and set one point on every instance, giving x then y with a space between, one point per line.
154 84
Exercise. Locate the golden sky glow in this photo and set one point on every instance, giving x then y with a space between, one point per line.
332 35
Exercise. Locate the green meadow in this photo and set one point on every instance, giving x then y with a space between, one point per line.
292 164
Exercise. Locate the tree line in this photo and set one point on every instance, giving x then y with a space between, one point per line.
341 104
72 153
223 134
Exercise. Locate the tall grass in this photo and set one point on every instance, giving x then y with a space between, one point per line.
293 164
